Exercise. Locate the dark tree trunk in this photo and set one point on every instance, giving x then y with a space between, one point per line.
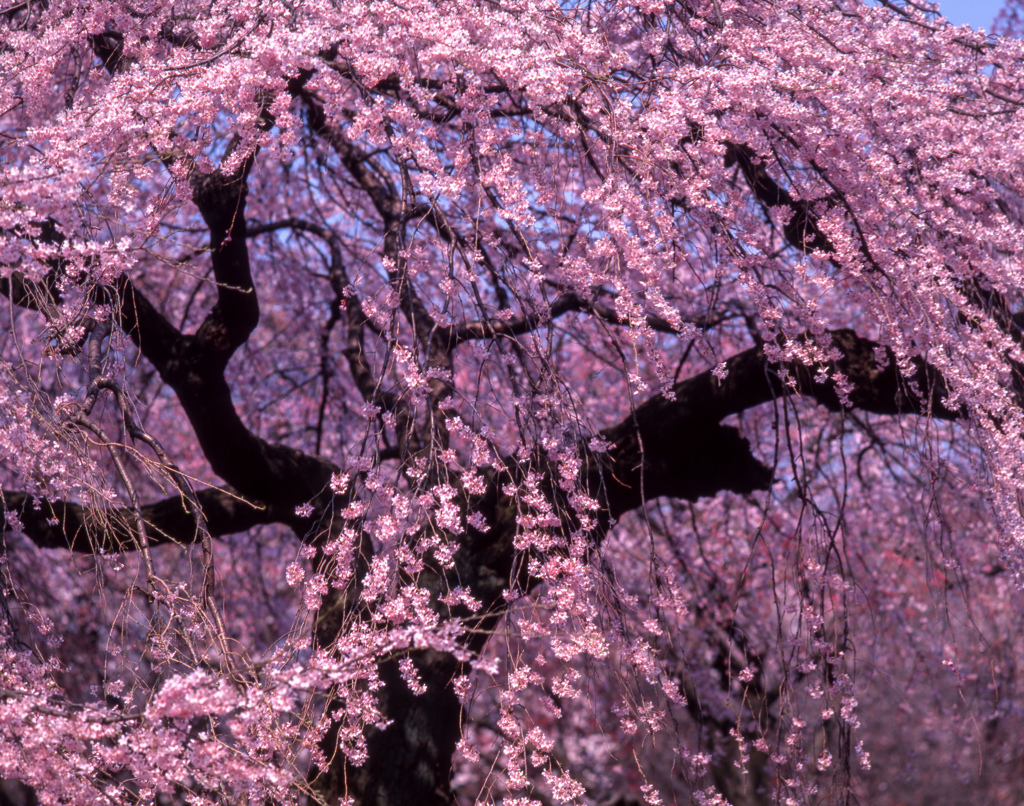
410 761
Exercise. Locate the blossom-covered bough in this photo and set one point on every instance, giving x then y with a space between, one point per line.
522 402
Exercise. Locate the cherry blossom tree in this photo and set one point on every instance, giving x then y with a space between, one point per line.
512 402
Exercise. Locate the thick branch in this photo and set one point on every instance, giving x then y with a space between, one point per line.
193 365
270 473
63 525
802 229
677 447
221 201
45 295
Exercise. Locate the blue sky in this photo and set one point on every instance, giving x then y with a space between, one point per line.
977 13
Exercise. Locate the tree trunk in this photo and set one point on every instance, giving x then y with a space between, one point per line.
410 761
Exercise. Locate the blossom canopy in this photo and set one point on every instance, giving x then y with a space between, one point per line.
513 401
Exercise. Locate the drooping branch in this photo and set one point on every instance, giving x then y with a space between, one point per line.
676 445
562 304
391 205
348 299
670 446
410 762
31 295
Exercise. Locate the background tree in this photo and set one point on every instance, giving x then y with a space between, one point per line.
522 402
